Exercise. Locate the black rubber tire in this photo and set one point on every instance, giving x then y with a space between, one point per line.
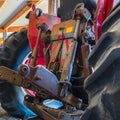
12 52
103 85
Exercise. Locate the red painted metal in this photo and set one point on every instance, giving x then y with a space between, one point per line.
103 9
50 20
32 36
33 7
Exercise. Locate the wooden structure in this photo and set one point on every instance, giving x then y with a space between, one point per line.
7 27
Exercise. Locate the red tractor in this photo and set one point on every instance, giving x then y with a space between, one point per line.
50 61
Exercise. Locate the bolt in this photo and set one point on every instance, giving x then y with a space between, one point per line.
37 78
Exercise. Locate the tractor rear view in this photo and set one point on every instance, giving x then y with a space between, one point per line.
56 60
63 78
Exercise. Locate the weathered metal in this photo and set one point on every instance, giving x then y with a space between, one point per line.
54 82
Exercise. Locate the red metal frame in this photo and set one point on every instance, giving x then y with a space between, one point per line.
102 11
50 20
32 36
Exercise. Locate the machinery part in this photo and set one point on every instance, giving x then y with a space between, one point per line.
102 11
43 28
12 52
62 114
38 78
50 113
82 16
89 4
103 84
114 14
38 12
23 70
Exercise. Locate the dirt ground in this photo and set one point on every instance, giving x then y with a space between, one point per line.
6 116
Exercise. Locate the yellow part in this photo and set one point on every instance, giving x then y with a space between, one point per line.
69 29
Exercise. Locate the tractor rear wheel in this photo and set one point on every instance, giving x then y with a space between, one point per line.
12 52
103 85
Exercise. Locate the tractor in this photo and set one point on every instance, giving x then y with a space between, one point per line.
64 68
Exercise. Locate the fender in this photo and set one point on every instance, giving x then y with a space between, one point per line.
102 11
